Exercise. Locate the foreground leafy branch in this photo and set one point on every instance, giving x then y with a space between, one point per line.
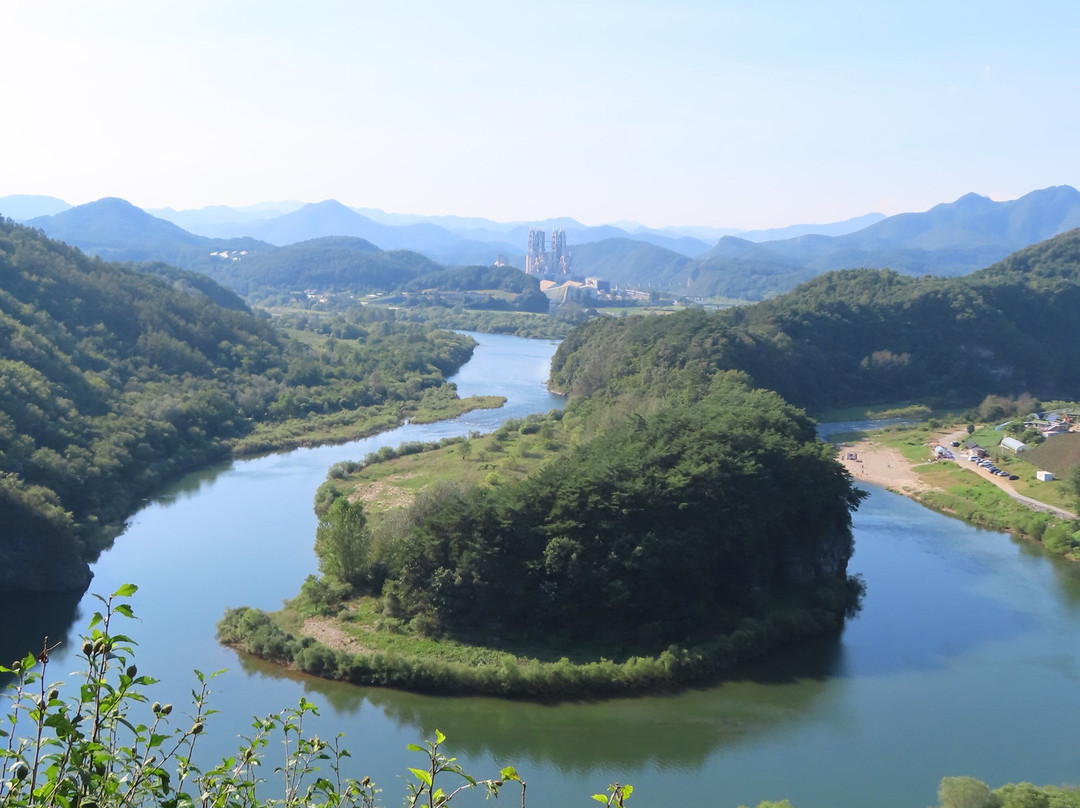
87 749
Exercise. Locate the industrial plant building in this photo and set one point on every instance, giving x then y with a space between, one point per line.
551 262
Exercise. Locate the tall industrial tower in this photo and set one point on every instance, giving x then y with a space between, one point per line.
556 261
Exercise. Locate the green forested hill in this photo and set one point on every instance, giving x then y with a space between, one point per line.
332 263
116 230
863 337
634 263
102 368
114 379
474 278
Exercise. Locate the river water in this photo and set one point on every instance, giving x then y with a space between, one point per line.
965 658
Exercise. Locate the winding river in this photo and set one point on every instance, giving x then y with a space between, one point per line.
964 660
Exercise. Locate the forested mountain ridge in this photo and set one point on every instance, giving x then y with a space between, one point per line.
113 380
328 264
950 239
114 229
862 337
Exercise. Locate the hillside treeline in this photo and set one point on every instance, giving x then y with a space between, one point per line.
113 380
861 337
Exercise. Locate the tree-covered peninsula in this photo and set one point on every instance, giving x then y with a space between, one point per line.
643 538
114 379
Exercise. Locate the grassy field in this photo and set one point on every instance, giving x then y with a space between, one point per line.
877 412
1057 454
362 627
509 453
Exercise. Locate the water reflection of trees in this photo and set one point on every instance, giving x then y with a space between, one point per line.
30 618
679 729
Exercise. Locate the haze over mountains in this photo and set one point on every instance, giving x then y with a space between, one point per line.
287 222
949 239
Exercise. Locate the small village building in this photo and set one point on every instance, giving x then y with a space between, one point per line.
1059 428
1044 476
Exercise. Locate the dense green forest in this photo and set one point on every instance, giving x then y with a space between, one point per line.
861 337
661 528
115 378
463 279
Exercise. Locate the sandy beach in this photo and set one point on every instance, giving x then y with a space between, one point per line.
876 463
873 462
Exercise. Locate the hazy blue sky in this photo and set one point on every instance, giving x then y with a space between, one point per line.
731 114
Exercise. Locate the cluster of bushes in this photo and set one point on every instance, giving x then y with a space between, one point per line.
967 792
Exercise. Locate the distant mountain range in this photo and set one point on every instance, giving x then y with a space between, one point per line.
448 239
116 230
949 239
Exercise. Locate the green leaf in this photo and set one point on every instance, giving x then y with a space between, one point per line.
124 609
627 791
600 798
509 773
439 737
422 775
126 591
415 747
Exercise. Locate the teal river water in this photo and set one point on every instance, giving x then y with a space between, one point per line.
965 658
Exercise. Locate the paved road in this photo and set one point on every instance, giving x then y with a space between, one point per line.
1035 505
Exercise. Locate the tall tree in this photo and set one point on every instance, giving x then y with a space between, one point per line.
343 542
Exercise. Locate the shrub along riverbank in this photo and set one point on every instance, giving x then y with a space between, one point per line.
508 675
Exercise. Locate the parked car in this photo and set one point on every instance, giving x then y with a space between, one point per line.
1014 477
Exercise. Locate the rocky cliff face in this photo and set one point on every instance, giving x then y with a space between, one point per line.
825 560
29 565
